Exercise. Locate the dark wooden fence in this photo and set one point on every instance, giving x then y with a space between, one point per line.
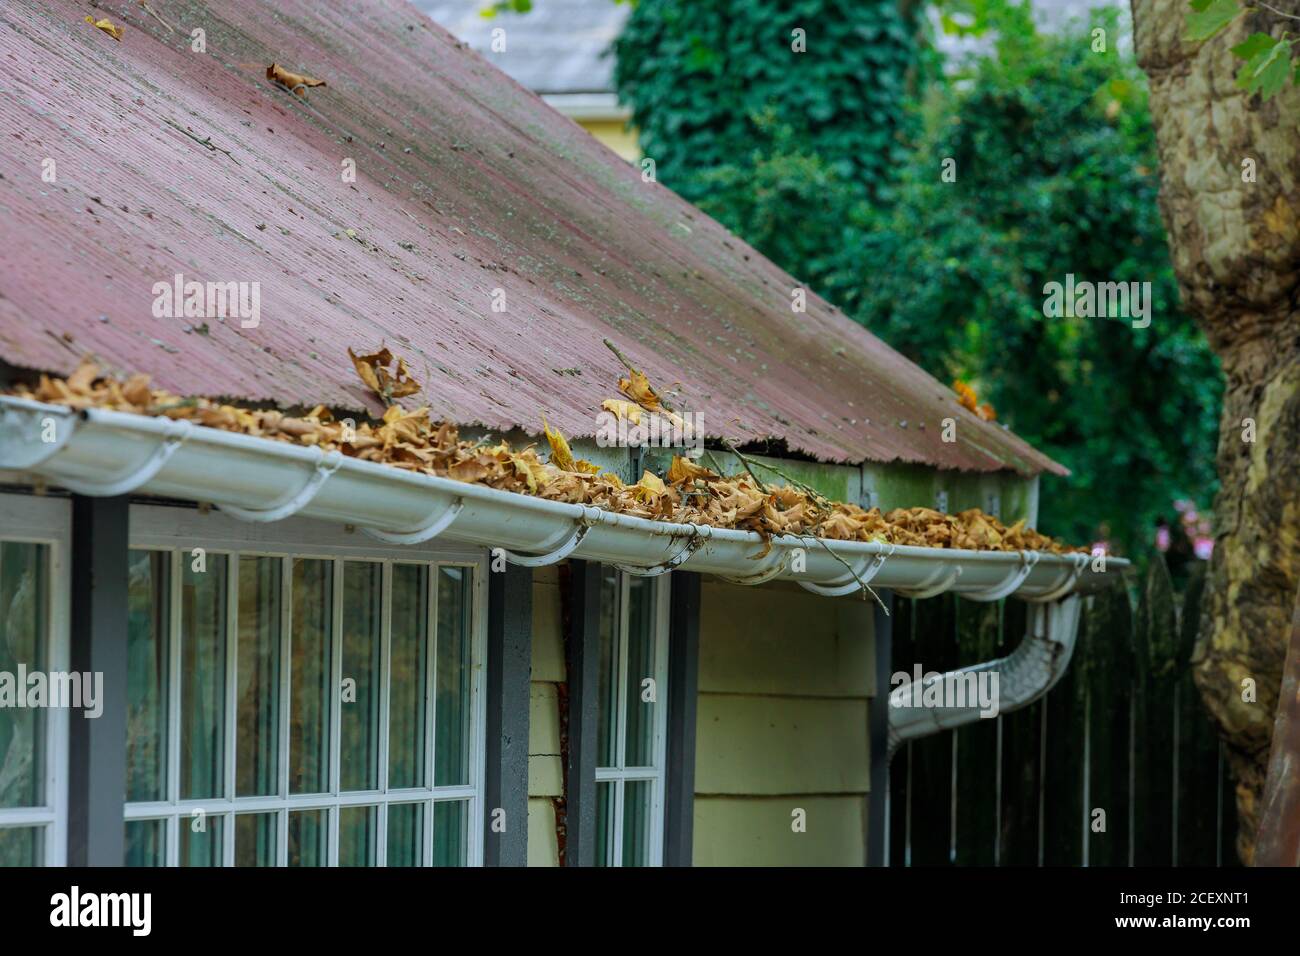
1118 766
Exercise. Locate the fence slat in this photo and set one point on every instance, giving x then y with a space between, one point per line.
1108 672
1020 769
931 757
977 745
1064 762
1124 732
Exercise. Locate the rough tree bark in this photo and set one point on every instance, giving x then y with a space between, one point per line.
1236 252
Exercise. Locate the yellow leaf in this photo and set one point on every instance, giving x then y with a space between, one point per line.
965 395
637 387
623 410
650 486
112 29
365 368
561 456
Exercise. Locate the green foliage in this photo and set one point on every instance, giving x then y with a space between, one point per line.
1056 173
1269 63
740 123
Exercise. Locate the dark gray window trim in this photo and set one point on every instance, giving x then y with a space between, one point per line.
509 668
683 698
582 673
97 748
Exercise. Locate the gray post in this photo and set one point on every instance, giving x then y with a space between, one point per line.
509 667
97 748
878 799
683 696
582 667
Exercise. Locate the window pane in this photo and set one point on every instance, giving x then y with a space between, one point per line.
258 659
201 847
639 714
309 838
146 843
607 702
146 675
23 604
405 834
636 822
451 751
451 833
310 676
359 723
358 829
408 678
203 676
605 823
22 846
255 839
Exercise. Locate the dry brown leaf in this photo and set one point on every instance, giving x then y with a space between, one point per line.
409 441
85 375
683 469
374 372
294 82
624 410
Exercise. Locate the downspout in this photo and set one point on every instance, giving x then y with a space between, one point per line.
1024 675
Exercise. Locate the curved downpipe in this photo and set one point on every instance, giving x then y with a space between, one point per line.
1024 675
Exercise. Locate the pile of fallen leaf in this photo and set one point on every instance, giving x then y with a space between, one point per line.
967 399
688 493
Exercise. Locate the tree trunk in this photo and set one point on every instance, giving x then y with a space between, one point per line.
1279 826
1236 252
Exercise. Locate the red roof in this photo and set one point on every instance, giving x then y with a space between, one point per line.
171 161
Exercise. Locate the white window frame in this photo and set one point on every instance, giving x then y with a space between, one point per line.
621 774
179 530
36 519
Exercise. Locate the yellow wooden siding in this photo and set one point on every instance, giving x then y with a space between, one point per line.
783 640
739 831
786 679
545 769
775 745
543 850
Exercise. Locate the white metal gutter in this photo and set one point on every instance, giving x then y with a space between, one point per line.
98 452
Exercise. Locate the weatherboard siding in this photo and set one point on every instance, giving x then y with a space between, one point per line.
545 767
786 679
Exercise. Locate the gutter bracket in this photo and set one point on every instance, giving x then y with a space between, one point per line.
693 544
431 528
550 557
177 433
1013 580
860 577
943 579
326 465
759 577
1067 586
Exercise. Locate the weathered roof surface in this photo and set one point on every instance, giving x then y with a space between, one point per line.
171 161
560 46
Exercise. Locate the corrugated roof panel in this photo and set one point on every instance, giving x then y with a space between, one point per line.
170 161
